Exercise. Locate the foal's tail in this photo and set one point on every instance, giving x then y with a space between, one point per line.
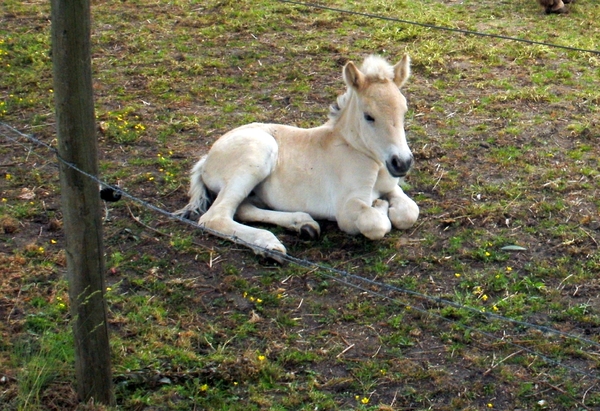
200 197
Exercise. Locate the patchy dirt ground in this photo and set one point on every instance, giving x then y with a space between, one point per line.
505 141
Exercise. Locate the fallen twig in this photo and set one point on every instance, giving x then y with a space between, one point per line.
348 348
501 361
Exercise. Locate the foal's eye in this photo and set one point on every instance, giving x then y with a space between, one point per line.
369 118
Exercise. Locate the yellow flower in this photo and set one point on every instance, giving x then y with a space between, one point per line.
41 250
490 405
457 275
508 268
365 400
258 300
487 254
8 176
261 358
204 387
484 297
53 241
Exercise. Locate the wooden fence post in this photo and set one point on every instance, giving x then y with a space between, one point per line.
74 105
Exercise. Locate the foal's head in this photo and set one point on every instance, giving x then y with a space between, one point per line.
374 110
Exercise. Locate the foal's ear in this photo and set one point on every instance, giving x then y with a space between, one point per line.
402 71
353 76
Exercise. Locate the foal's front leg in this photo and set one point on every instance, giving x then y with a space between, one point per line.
403 211
370 220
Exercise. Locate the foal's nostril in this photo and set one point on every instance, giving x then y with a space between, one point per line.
398 167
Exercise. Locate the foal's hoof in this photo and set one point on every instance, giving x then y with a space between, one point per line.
271 256
308 232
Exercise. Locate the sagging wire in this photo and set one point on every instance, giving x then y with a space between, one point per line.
341 276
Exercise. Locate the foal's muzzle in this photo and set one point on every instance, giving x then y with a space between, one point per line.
399 167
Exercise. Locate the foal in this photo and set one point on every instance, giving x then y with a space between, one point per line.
347 169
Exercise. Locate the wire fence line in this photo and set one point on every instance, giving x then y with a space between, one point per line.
436 27
343 277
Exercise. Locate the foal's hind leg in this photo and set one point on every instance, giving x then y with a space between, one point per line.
219 218
234 166
299 222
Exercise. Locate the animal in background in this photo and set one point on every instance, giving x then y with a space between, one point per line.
555 6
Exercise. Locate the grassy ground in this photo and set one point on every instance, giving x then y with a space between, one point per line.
505 137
